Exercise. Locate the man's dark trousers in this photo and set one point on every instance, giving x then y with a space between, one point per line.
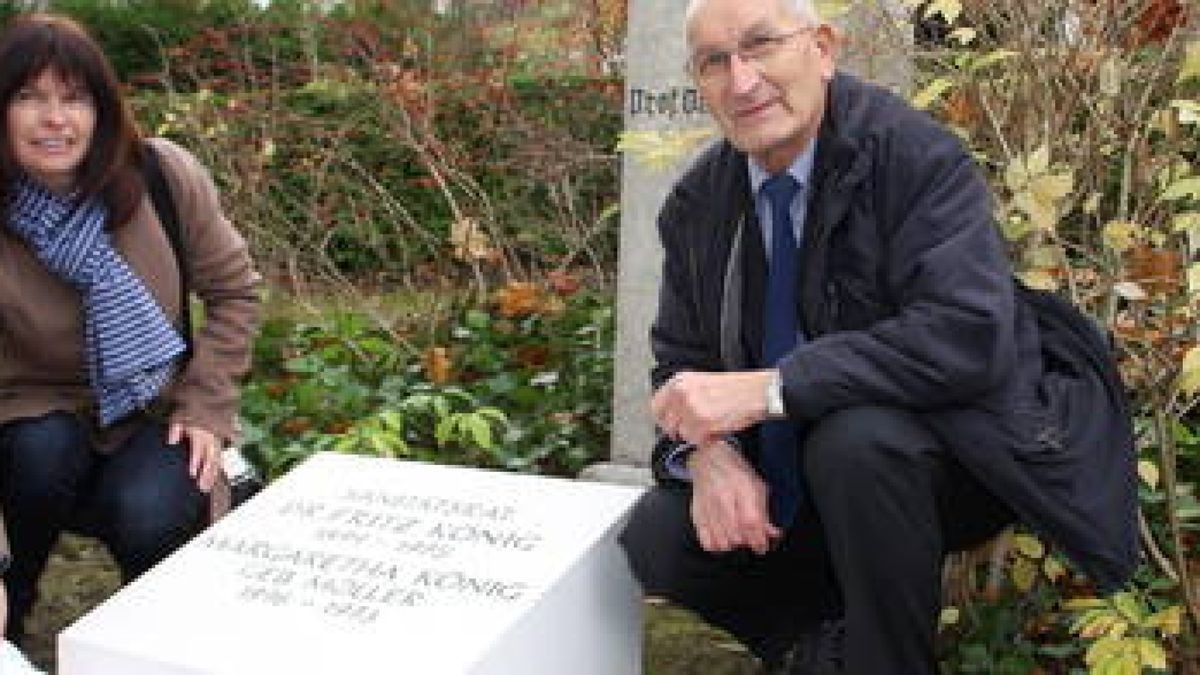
886 502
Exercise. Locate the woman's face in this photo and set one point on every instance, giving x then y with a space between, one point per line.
50 125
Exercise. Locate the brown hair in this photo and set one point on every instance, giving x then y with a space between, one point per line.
32 43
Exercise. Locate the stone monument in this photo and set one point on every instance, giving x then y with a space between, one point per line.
362 565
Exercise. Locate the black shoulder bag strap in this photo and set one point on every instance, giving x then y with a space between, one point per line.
168 216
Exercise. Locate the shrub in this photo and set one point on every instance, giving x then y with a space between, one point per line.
523 386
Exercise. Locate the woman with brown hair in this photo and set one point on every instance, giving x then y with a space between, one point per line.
112 418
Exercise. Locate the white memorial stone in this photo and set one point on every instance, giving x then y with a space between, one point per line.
361 565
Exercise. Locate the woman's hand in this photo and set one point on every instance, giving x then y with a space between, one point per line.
204 462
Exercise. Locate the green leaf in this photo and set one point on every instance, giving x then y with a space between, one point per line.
1129 606
480 430
476 319
444 429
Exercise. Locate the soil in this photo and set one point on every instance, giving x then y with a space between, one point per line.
81 575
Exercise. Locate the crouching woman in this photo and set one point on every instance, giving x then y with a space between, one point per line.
112 414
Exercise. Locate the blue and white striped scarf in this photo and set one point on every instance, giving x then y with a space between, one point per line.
131 346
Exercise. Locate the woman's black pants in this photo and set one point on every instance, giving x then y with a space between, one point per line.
139 500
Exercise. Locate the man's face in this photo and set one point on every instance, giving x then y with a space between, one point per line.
762 72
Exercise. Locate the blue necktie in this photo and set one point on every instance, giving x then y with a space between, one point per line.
778 457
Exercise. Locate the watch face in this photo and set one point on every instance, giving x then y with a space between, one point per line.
5 560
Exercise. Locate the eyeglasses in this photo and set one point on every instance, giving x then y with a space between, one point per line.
714 67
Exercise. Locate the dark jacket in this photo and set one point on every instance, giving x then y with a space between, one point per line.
907 300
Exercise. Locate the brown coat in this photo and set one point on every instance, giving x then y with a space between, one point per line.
42 366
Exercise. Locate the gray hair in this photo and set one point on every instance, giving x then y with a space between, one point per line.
803 9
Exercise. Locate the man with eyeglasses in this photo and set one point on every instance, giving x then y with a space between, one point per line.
845 382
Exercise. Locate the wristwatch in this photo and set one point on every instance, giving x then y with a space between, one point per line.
5 561
775 410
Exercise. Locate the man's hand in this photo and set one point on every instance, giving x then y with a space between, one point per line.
204 462
702 407
729 501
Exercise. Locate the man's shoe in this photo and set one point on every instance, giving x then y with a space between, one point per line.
818 651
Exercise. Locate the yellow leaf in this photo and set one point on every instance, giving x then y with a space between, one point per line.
1189 372
1016 175
1053 569
1051 188
1092 205
1042 215
1188 111
1024 574
931 93
1097 626
1111 75
1038 161
949 9
1129 290
470 241
948 617
829 10
1015 227
1028 546
1044 256
661 150
1122 664
1080 604
1181 189
1168 621
989 59
1105 649
963 36
1188 221
1191 62
1148 471
1121 235
1040 279
1151 654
